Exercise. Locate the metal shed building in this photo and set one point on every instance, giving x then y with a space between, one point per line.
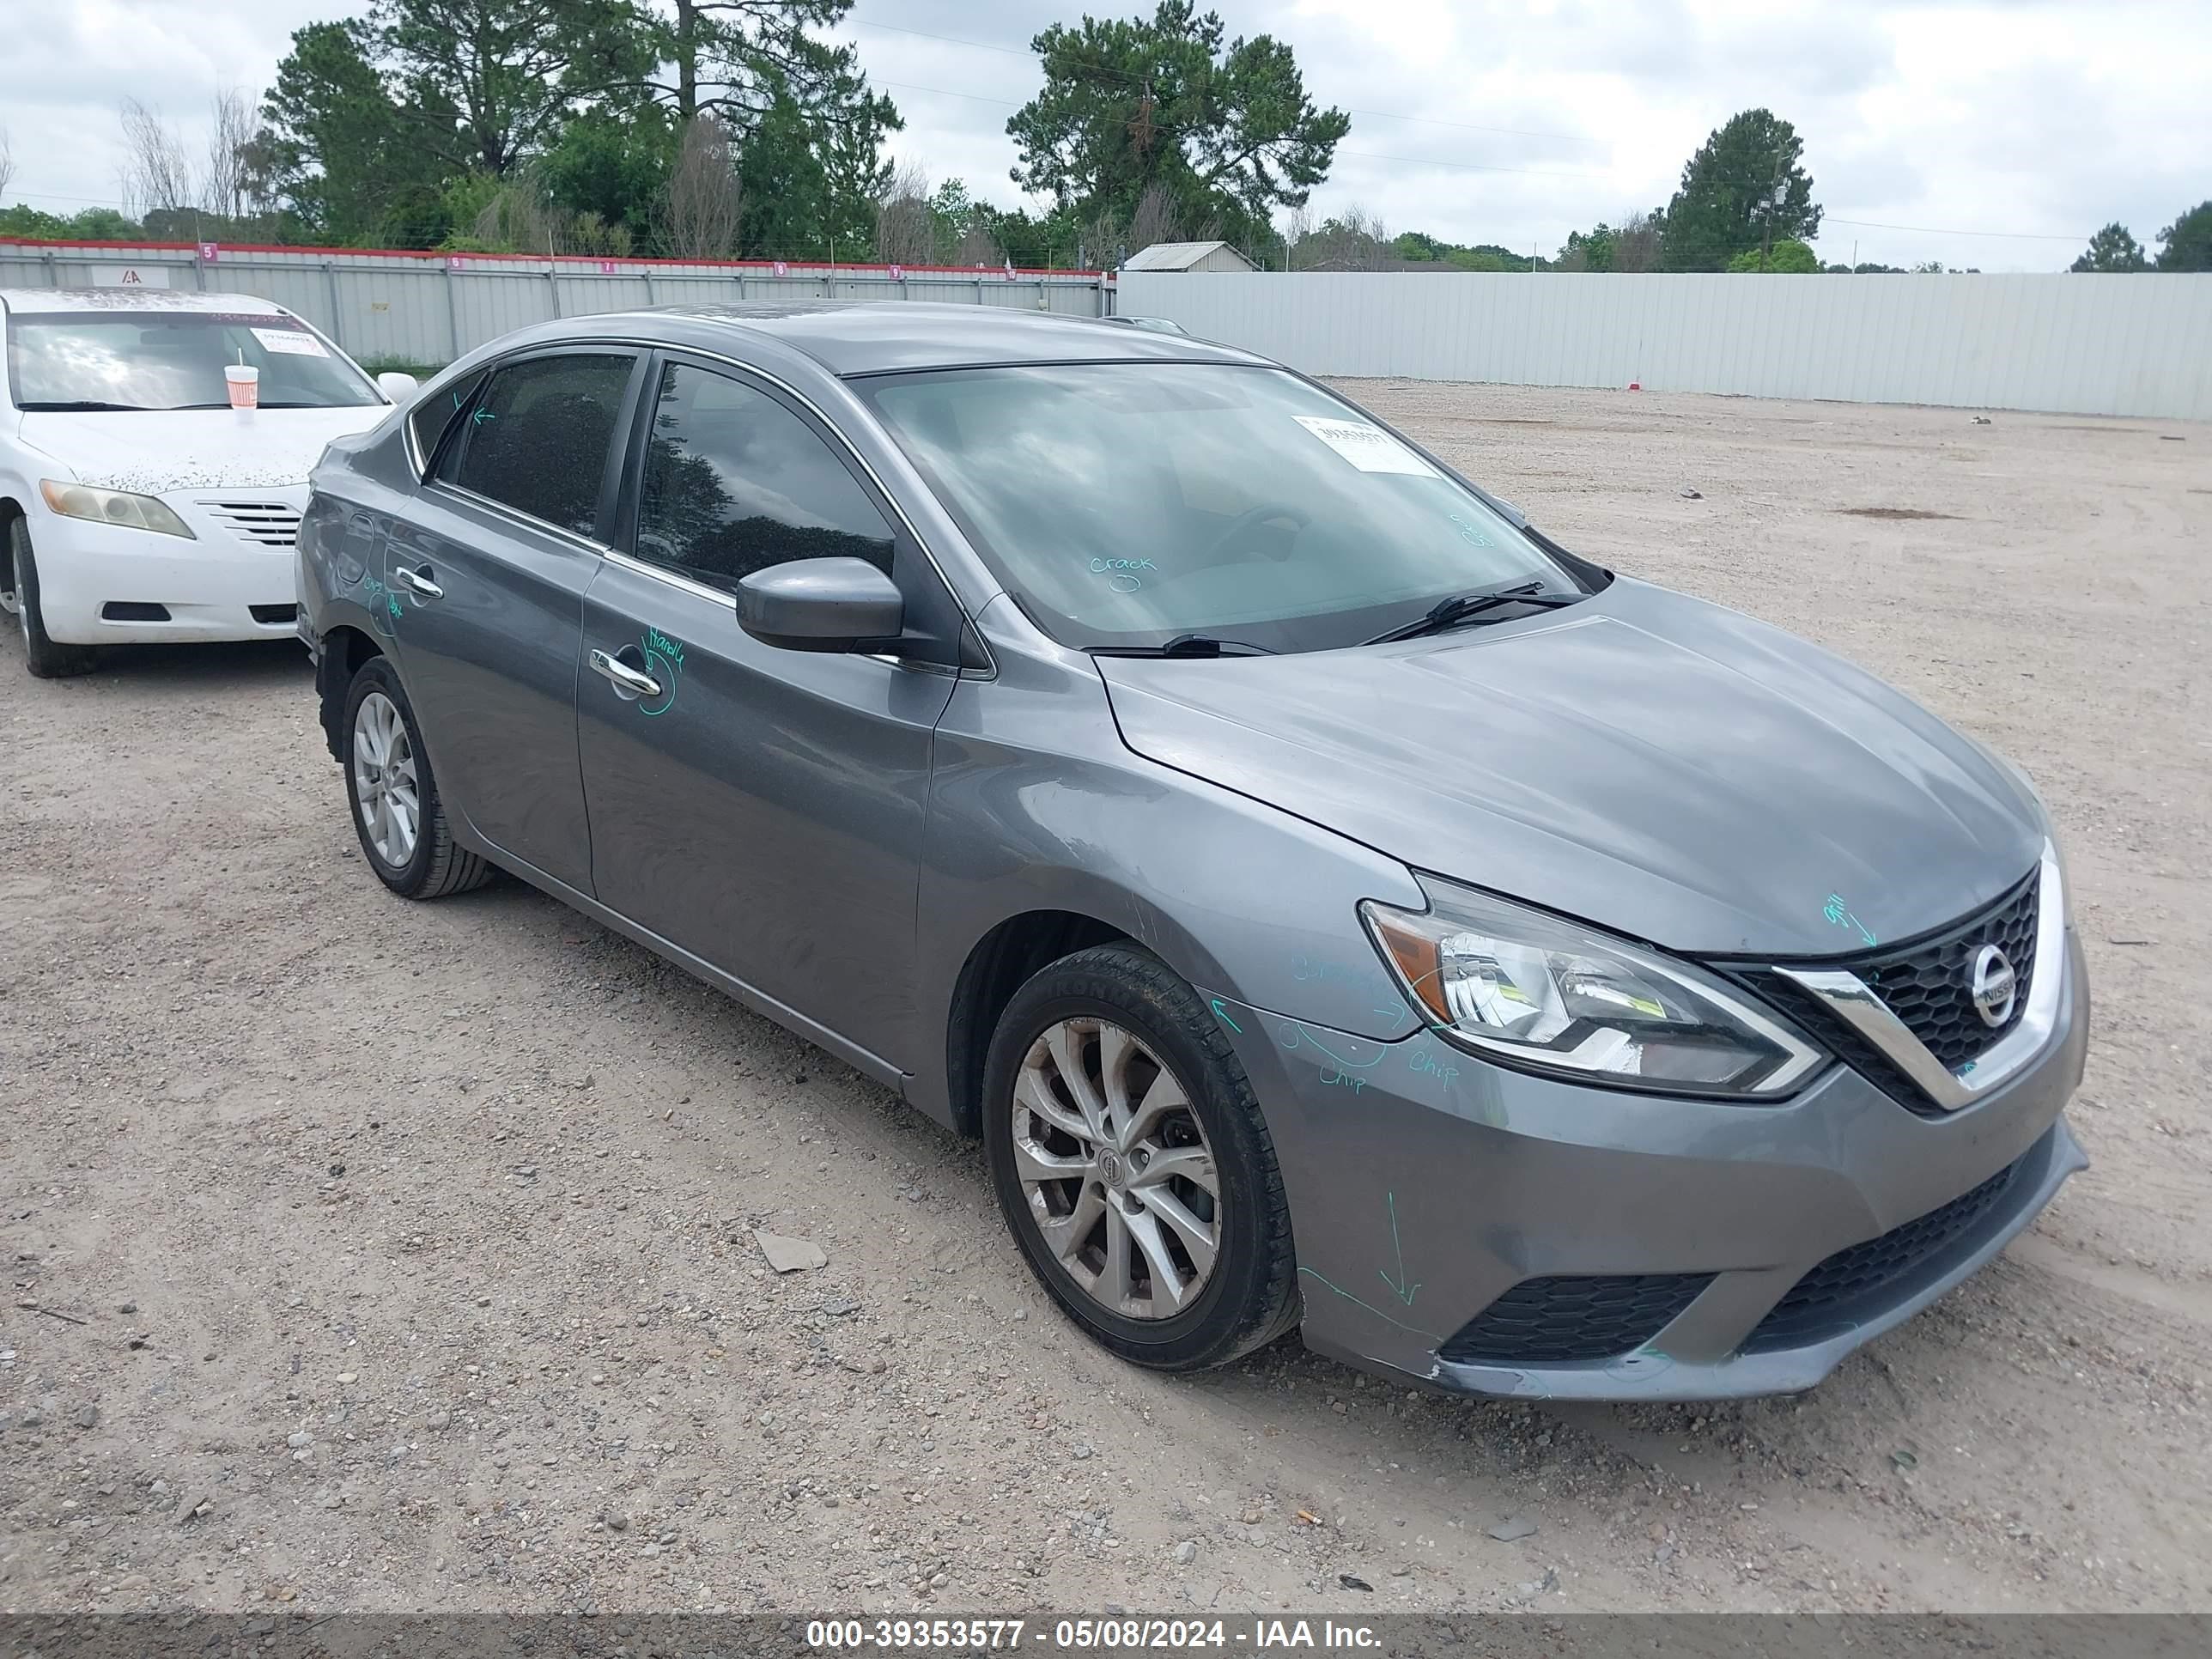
1188 256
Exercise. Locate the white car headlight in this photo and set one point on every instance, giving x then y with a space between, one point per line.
1533 990
113 506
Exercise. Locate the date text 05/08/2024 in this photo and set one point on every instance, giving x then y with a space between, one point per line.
1109 1635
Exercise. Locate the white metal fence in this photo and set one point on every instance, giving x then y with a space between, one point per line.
431 308
2137 344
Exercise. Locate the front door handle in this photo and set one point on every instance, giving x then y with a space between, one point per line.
417 581
635 681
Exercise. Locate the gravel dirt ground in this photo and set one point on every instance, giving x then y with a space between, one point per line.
371 1255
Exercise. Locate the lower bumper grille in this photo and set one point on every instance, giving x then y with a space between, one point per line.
1550 1321
1858 1281
133 610
270 614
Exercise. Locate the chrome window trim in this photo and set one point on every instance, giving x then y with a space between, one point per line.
516 515
665 348
890 496
1853 1001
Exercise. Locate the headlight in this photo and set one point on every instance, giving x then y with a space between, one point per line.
1541 993
113 506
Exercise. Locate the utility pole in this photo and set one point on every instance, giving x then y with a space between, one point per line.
1774 195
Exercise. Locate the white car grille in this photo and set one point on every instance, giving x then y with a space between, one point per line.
271 524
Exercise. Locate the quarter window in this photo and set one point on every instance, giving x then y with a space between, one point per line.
432 414
537 438
735 482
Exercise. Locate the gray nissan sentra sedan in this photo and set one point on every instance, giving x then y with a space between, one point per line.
1330 901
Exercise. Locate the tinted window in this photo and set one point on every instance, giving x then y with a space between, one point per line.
538 436
431 415
734 482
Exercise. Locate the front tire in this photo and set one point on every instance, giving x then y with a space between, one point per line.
395 809
47 658
1131 1164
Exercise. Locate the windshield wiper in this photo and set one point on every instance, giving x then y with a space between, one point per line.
1185 644
81 406
1465 607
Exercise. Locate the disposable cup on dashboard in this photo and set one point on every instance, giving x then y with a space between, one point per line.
243 382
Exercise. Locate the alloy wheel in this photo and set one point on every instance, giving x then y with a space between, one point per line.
1116 1166
386 788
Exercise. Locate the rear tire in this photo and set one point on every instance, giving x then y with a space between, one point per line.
47 658
1161 1138
397 813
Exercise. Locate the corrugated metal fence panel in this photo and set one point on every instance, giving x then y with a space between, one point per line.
431 311
2137 344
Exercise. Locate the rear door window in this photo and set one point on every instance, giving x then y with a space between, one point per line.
538 436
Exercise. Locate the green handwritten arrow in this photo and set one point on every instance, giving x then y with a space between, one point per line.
1222 1014
1404 1292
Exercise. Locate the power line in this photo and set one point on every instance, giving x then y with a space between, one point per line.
1108 70
1408 160
1931 230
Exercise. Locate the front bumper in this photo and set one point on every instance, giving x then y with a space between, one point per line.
1425 1184
103 584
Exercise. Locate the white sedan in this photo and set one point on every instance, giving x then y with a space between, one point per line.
135 504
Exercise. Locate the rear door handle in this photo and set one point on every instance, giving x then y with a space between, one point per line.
417 581
625 677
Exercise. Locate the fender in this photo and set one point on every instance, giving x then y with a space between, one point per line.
1241 899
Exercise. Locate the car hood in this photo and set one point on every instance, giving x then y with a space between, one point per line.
151 451
1663 767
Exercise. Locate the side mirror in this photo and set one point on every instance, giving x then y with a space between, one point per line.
821 605
397 386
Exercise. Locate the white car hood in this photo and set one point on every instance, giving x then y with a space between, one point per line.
151 452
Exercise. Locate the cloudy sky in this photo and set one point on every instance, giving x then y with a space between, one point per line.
1993 135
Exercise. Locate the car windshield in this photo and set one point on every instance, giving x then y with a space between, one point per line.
150 359
1125 505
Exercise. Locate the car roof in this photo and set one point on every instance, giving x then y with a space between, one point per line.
875 337
28 300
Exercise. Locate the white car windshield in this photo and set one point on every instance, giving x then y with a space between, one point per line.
1124 505
78 360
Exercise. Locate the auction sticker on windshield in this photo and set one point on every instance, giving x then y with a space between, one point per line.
294 342
1366 446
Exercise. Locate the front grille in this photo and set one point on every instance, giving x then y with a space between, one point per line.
269 524
1549 1321
1929 986
1857 1281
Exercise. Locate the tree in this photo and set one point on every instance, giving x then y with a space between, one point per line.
510 70
702 203
1229 133
354 162
1742 188
906 234
616 166
1634 246
811 188
155 176
754 66
1356 240
2110 249
2187 242
1788 257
